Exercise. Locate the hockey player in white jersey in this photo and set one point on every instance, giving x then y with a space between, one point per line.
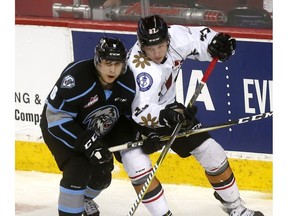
156 60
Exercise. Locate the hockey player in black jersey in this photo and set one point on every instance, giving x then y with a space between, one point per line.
89 98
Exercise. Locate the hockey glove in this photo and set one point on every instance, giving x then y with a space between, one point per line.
172 114
176 113
152 143
93 148
222 46
189 113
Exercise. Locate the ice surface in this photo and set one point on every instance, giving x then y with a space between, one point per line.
36 194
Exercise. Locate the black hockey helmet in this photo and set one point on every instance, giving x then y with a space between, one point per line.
110 49
152 30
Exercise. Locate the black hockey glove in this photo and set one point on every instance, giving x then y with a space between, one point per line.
152 143
175 113
189 113
222 46
172 114
93 148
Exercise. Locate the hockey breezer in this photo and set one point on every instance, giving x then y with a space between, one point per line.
198 130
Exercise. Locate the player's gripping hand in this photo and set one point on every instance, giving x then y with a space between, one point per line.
152 143
189 113
222 46
172 114
93 148
175 113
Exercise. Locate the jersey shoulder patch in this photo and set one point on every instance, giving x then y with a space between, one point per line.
68 82
144 81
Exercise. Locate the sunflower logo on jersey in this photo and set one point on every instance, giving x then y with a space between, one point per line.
141 60
149 121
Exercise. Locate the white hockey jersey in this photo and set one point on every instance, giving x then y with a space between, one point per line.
156 83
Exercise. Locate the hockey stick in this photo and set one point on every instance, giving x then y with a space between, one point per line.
171 140
187 133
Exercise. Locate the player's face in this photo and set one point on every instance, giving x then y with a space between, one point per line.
109 70
156 52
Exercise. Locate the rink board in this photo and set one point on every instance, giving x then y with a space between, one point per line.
253 175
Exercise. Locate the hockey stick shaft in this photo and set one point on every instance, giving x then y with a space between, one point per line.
223 125
239 121
171 140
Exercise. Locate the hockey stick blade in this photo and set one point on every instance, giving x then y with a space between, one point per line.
198 130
